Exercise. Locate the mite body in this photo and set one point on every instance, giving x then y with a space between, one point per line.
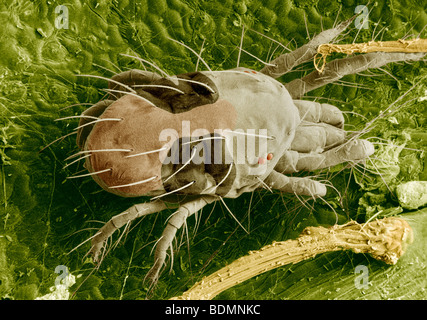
203 136
227 141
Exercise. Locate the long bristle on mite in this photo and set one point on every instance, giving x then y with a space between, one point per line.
200 54
132 94
157 86
147 62
193 153
56 140
108 79
226 176
146 152
96 121
271 39
76 104
251 134
173 191
77 117
253 56
264 184
231 213
93 151
197 55
194 81
134 183
89 174
90 238
241 45
79 159
203 139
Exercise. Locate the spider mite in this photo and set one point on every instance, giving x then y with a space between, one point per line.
128 153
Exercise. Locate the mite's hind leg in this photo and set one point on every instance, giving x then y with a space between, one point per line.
175 222
337 69
136 211
286 62
299 186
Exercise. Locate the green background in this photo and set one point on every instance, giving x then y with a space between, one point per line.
43 216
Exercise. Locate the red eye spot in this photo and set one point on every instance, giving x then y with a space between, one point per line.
254 72
261 161
246 71
269 156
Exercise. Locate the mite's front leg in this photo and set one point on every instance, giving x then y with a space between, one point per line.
337 69
286 62
296 185
320 113
350 151
130 78
175 222
320 141
100 239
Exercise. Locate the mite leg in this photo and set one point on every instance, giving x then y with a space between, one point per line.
174 223
354 150
320 128
131 78
134 76
293 161
287 163
287 62
320 112
337 69
316 137
300 186
134 212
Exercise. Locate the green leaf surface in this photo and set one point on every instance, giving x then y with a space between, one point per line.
43 216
